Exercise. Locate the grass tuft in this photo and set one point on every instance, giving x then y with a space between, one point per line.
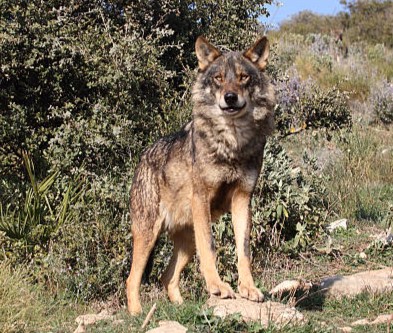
26 306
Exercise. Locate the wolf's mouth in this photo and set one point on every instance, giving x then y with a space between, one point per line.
232 109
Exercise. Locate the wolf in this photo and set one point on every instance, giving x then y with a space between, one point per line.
187 180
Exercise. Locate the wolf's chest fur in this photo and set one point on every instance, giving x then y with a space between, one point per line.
228 141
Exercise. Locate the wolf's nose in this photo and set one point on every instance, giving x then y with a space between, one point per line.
230 98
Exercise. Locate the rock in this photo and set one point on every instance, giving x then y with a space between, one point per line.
168 327
382 240
90 319
351 285
381 319
265 313
337 225
362 255
360 322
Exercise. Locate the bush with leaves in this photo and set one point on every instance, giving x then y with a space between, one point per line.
369 21
29 228
86 86
303 104
381 101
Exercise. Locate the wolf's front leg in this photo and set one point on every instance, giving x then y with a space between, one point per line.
241 217
204 243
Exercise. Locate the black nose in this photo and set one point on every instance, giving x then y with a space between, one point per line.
230 98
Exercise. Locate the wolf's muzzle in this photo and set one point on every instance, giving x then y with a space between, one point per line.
231 99
231 103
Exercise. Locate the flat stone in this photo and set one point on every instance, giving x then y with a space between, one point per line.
91 319
339 224
265 313
168 327
373 281
381 319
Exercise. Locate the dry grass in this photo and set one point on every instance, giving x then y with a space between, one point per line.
26 307
361 182
340 75
357 167
21 305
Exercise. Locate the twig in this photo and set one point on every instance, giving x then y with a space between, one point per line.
294 130
149 315
309 261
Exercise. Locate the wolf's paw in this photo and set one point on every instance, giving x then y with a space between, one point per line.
250 292
175 296
221 289
134 308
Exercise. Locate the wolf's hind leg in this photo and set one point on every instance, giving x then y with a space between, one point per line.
184 249
143 243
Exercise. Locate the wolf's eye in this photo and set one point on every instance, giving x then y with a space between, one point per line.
244 78
218 79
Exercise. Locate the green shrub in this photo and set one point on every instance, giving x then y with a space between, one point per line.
381 101
30 225
90 260
303 104
283 54
369 21
28 307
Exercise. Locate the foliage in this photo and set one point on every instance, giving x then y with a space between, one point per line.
388 218
22 307
381 100
125 62
91 259
370 21
28 307
284 53
360 181
307 22
303 104
367 21
39 221
291 200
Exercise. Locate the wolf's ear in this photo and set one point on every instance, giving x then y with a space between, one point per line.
205 52
259 53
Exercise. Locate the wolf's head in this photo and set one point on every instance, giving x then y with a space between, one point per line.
232 84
